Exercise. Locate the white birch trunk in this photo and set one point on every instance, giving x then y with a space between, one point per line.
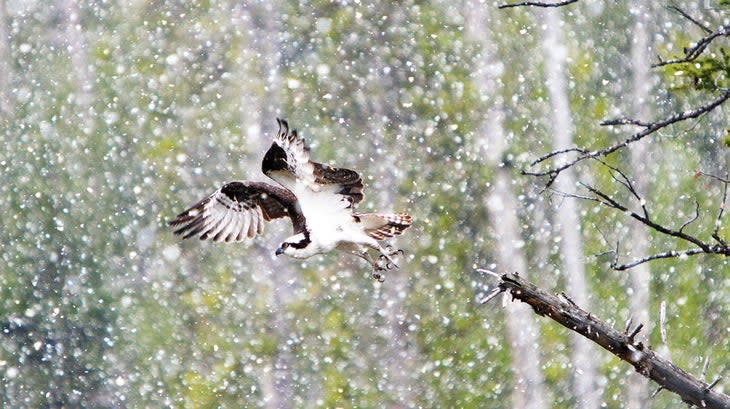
5 72
585 375
637 390
400 354
77 48
399 357
72 36
522 330
258 112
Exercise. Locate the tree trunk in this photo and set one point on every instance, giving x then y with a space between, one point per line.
5 64
260 59
78 52
70 373
399 353
585 375
637 390
522 331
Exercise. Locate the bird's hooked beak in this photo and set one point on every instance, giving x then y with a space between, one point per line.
279 251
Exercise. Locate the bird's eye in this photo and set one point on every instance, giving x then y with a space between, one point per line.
284 245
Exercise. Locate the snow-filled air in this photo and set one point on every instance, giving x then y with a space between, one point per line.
583 145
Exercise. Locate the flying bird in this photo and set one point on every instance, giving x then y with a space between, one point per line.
319 200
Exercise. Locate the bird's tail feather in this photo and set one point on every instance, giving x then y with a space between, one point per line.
380 226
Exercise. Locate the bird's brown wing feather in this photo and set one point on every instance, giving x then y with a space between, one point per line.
287 161
238 211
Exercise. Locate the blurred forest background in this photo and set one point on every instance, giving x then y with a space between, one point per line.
115 116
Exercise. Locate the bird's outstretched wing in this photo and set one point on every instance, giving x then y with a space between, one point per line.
287 162
237 211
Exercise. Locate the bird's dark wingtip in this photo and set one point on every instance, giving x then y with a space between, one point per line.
283 125
179 219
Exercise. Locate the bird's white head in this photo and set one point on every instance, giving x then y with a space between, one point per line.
297 246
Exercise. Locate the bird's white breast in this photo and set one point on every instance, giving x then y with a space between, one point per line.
329 219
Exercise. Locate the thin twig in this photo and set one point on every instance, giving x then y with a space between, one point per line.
575 196
495 291
614 263
489 272
705 366
713 384
724 180
718 220
688 17
626 183
635 332
603 236
568 299
537 4
696 216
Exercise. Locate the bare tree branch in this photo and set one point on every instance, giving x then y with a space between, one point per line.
692 53
713 383
667 254
612 203
625 121
649 128
705 366
724 180
537 4
700 246
648 363
704 247
557 152
557 161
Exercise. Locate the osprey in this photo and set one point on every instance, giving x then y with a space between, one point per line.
318 199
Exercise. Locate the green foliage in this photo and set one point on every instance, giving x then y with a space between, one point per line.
706 73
